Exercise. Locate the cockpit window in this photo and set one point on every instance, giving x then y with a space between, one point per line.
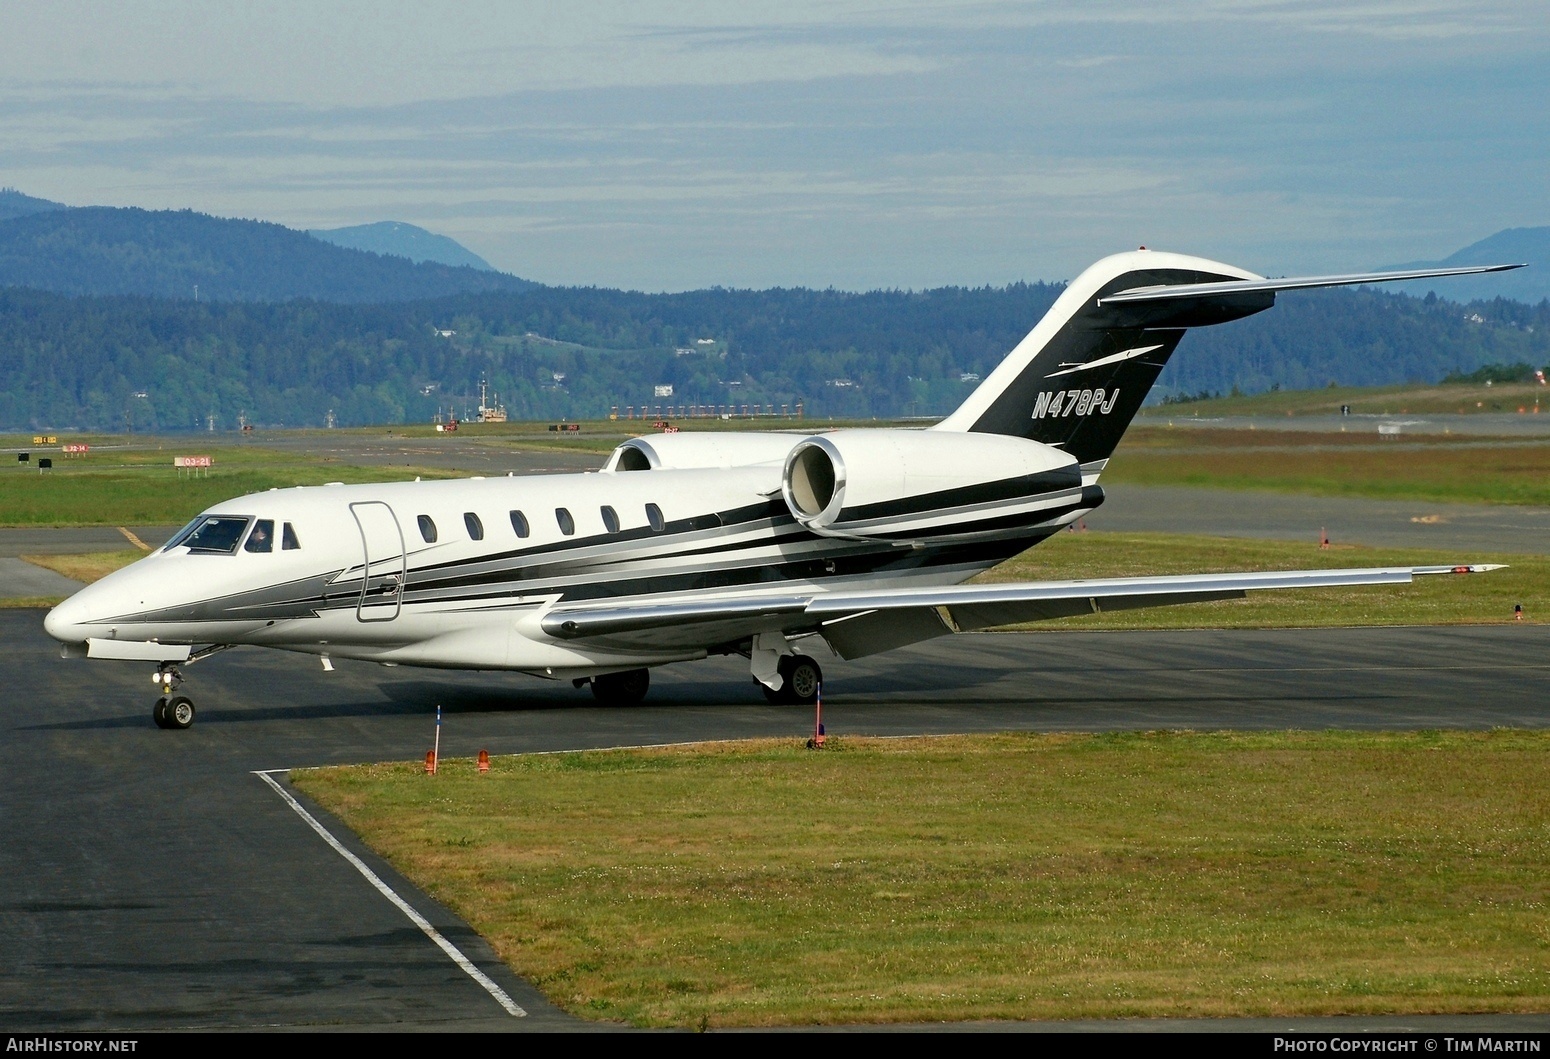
288 541
182 535
262 537
217 535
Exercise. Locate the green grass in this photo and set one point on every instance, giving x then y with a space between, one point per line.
1409 399
86 567
992 877
141 486
1450 469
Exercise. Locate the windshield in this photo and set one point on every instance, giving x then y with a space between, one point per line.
217 535
178 537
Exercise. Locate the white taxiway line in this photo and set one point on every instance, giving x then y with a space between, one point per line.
418 920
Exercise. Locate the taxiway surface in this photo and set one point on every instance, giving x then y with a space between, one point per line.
151 880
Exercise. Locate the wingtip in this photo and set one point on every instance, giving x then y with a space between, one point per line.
1462 568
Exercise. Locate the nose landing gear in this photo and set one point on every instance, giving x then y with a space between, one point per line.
177 711
171 711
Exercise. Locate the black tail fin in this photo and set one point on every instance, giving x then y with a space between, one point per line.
1081 375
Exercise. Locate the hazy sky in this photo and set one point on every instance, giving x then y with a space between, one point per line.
899 144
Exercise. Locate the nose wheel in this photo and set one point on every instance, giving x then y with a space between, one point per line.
171 711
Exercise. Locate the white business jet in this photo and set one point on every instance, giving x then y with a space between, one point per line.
689 545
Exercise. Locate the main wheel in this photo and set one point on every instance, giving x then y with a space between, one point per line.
802 679
179 712
159 713
622 689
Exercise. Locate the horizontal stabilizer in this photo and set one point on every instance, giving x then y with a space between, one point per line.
1168 292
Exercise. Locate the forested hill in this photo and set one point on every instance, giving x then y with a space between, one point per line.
167 254
14 204
551 352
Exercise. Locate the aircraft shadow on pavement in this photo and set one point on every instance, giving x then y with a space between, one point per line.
421 697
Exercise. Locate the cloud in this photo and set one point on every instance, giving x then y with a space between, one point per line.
869 145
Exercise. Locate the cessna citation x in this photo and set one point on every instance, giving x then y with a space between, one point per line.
688 545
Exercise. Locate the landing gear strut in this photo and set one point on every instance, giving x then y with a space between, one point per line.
799 684
171 711
621 689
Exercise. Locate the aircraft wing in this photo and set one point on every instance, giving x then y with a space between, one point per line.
859 623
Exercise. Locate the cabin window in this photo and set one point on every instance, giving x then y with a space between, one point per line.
262 537
654 516
427 529
519 524
475 527
288 541
610 519
217 535
567 524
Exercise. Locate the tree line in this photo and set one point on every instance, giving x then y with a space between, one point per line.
98 362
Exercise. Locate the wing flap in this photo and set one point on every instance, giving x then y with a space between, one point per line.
973 616
571 623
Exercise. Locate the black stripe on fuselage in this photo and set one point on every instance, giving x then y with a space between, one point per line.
1022 487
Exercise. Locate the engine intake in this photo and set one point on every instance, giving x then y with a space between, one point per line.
917 484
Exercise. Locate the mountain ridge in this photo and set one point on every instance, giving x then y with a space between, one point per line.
401 239
1510 246
182 254
14 204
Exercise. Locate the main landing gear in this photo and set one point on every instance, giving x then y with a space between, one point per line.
799 684
621 689
171 711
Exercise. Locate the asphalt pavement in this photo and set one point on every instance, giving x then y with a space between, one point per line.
153 881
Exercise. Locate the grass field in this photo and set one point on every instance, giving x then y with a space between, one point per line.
86 567
130 485
994 877
138 486
1438 467
1455 398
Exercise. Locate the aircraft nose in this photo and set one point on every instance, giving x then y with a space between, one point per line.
66 622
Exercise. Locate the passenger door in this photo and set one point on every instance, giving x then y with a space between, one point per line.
386 566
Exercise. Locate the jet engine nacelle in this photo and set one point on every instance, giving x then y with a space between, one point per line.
702 450
913 484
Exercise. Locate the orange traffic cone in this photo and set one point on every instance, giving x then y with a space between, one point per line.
430 762
484 762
